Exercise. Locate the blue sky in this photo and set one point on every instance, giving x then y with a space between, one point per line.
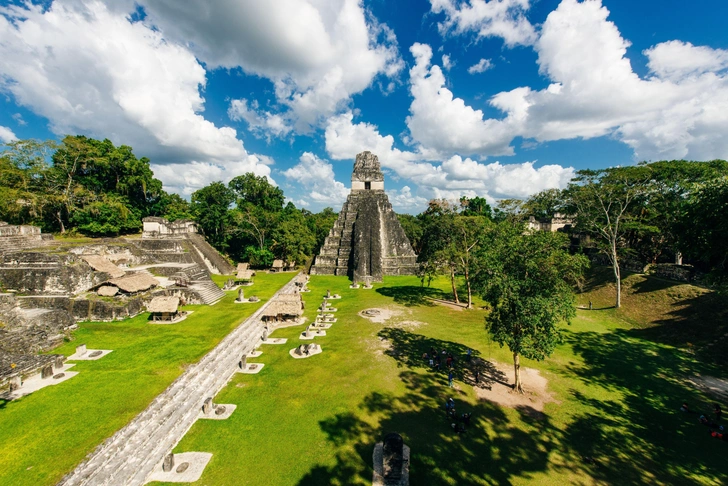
498 98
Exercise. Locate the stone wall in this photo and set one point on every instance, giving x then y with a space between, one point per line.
214 261
89 309
31 330
44 273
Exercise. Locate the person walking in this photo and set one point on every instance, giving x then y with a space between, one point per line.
449 378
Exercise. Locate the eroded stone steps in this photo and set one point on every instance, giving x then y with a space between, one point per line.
128 457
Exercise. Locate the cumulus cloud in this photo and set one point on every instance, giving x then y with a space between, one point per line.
680 111
317 54
677 60
481 66
88 69
316 178
260 122
7 135
441 122
487 18
448 178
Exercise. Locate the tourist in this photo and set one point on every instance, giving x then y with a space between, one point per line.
718 412
449 361
466 418
590 305
684 407
704 420
477 376
432 362
449 378
469 353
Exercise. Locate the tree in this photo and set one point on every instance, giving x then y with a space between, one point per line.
412 226
527 279
211 207
468 232
601 200
438 242
256 190
475 206
545 204
509 209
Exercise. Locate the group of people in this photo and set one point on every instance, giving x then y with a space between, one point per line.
460 422
716 430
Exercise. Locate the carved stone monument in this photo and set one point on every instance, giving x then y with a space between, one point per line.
207 406
168 463
367 239
391 462
241 295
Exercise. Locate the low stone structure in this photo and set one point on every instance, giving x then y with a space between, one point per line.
154 227
134 283
165 310
305 351
277 266
558 222
367 239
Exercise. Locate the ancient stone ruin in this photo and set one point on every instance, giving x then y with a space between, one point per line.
391 462
367 239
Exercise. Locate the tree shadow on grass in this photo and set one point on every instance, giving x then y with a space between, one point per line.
638 435
411 295
490 451
408 348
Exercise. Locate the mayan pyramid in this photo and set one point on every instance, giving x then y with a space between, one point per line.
367 240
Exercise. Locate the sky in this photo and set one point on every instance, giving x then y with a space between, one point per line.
491 98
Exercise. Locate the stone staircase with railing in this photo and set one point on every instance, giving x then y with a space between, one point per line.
130 455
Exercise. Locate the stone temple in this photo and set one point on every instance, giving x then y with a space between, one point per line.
367 240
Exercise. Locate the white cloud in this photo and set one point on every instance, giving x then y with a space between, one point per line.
89 70
487 18
676 60
680 111
481 66
7 135
443 123
448 178
447 63
316 178
19 119
260 122
317 54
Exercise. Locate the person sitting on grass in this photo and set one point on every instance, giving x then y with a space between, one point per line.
718 412
466 418
684 407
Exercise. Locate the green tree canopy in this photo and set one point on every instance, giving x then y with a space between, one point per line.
527 278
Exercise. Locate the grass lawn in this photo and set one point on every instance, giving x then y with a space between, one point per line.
315 421
45 434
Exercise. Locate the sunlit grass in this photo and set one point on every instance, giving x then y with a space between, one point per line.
316 421
45 434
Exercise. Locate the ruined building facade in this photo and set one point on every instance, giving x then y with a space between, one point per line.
367 240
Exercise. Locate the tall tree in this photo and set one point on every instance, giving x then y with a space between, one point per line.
211 207
601 201
256 190
528 280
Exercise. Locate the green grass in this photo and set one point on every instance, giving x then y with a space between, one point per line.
618 382
315 421
45 434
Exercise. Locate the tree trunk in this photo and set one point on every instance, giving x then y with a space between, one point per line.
454 287
617 275
60 222
470 292
517 386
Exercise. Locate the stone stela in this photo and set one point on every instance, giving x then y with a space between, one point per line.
367 240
